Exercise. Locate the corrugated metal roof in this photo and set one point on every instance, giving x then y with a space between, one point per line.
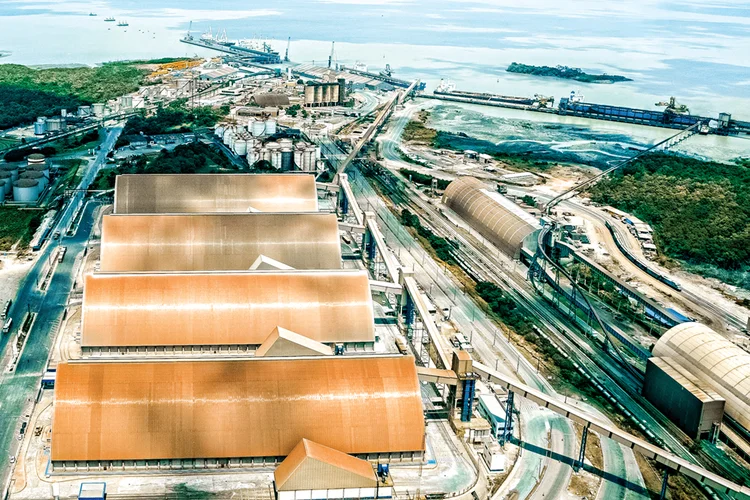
225 308
226 409
218 242
214 193
285 343
494 216
311 466
713 359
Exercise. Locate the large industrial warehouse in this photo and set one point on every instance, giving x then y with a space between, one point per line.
225 309
190 414
218 242
495 217
214 193
714 360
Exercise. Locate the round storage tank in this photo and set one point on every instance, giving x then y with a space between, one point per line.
37 176
286 143
36 159
42 168
298 162
309 159
276 159
228 132
54 125
126 101
258 128
6 179
98 109
40 126
240 147
219 132
270 127
252 157
26 191
265 154
11 168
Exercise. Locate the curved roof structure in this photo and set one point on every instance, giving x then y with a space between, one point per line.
229 409
713 359
214 193
218 242
495 217
225 308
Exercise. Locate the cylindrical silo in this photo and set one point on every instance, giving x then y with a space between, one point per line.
252 156
219 132
309 95
11 168
298 162
126 101
309 160
240 147
84 111
36 158
7 183
26 191
270 127
37 176
41 168
55 124
98 109
258 128
228 132
287 159
40 126
232 140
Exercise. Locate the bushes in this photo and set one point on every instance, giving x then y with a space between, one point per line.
423 179
441 246
175 118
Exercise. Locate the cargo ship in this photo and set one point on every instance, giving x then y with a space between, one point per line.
384 76
447 91
263 56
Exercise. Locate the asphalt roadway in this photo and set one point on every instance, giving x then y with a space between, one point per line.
18 388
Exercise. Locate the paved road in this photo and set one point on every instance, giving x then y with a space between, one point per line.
18 388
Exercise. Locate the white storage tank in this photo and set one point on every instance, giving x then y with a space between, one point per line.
286 143
258 128
126 101
219 132
42 168
37 176
98 109
36 159
55 124
253 156
298 155
84 111
26 191
287 159
232 140
240 147
309 160
228 132
6 180
11 168
270 127
40 126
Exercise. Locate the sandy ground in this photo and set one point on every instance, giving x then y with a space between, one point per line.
12 272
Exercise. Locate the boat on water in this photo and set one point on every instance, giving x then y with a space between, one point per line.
123 23
92 14
109 19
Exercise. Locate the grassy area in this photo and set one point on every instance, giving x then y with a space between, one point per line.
700 211
190 158
423 179
73 169
417 132
176 117
7 142
17 226
26 93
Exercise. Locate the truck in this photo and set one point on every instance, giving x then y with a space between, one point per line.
6 309
464 343
7 325
61 253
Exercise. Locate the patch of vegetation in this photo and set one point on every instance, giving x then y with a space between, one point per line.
293 110
566 73
26 93
18 226
700 211
21 154
191 158
175 118
529 200
442 247
416 132
423 179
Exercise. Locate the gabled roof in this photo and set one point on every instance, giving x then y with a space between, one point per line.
235 408
312 466
218 242
283 343
263 263
214 193
221 308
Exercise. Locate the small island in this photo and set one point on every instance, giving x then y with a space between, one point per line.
566 73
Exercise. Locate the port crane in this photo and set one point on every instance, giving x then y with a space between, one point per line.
672 106
286 54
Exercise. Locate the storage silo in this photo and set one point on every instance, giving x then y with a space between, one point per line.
36 159
26 191
298 155
126 101
11 168
265 154
54 124
6 180
232 140
84 111
219 132
240 147
258 128
270 127
287 159
228 132
309 95
308 161
253 155
39 177
42 168
98 109
274 149
40 126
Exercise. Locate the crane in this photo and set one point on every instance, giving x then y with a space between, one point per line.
673 106
330 58
286 54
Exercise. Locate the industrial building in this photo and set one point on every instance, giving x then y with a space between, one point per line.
325 93
173 313
214 193
681 396
316 472
175 415
494 216
219 242
714 360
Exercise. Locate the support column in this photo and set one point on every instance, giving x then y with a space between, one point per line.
582 453
467 401
508 427
663 493
343 203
